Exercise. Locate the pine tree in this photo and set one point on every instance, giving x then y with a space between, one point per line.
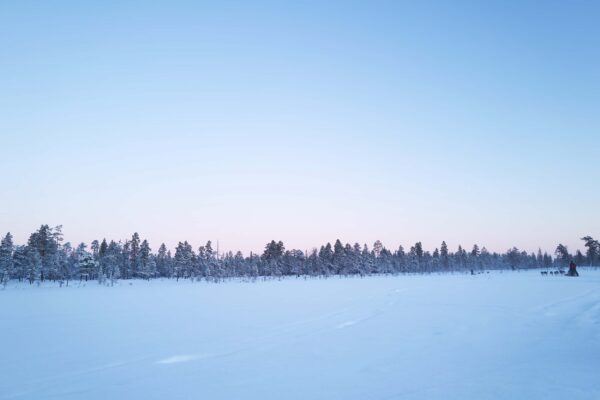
66 263
377 247
46 241
110 259
419 250
539 258
485 258
95 247
100 276
20 263
86 265
326 260
135 254
183 260
562 255
272 258
147 264
580 258
444 256
367 261
593 249
6 259
103 248
513 257
211 264
547 260
400 257
435 260
339 257
163 262
34 264
125 261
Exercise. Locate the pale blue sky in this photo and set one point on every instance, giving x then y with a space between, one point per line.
302 121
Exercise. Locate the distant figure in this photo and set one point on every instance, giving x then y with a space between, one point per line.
572 269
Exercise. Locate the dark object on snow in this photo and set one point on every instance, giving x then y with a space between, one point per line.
572 270
544 272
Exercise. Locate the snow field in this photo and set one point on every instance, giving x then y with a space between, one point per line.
509 335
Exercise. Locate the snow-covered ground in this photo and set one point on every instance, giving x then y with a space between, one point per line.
504 335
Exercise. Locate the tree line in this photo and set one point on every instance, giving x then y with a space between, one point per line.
46 257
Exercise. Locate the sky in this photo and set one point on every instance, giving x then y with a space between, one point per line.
302 121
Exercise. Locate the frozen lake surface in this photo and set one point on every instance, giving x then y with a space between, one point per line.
511 335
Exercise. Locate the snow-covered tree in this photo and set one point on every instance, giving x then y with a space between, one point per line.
34 264
134 254
46 241
184 260
272 257
44 257
163 261
593 249
326 260
6 259
377 247
95 247
110 261
86 265
20 263
147 262
562 255
444 255
125 261
66 263
580 259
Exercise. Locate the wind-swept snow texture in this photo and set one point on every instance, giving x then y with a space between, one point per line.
511 335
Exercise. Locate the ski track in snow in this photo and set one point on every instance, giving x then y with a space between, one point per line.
181 358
